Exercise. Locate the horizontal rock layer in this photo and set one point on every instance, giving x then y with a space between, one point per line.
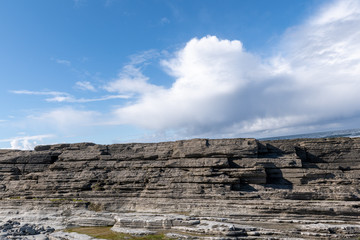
237 178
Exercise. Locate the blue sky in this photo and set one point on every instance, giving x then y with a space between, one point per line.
113 71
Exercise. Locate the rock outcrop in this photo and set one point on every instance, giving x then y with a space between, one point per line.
287 186
14 230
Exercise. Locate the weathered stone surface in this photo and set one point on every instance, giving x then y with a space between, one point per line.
147 223
16 230
238 179
70 236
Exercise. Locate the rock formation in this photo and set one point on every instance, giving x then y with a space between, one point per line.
302 188
14 230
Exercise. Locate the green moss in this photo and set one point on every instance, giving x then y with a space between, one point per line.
17 197
96 207
77 200
106 233
58 199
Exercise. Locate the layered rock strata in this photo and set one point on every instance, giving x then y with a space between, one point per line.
288 186
15 230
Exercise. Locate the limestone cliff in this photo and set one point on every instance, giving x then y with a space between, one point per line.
241 178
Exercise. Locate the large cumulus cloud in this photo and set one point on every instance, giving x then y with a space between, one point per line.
311 81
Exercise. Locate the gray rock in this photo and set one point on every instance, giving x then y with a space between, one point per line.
275 186
70 236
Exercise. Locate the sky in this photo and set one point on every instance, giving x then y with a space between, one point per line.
116 71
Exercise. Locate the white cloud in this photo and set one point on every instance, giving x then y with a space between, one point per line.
324 55
65 97
337 12
164 21
26 142
220 89
63 61
27 92
143 57
86 100
208 77
131 80
85 85
67 118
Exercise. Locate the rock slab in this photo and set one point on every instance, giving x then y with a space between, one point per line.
244 180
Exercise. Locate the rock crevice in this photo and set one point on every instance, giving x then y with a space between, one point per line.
241 178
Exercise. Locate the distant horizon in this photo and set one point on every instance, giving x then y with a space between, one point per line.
314 135
112 71
322 134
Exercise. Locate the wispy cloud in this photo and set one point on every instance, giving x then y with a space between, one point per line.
143 57
164 21
85 85
79 3
176 11
131 80
86 100
63 61
83 74
67 118
46 93
108 3
65 97
26 142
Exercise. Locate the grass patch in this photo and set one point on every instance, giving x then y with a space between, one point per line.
78 200
106 233
58 200
66 200
15 197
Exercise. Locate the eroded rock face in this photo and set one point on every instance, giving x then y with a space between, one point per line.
244 179
16 230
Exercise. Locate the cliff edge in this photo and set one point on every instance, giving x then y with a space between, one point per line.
266 183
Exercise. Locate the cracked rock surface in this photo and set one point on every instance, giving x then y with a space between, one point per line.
300 188
15 230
